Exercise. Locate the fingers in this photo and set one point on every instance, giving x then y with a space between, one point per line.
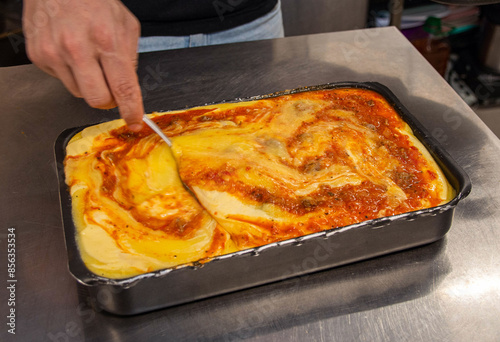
119 65
124 85
68 79
91 81
50 61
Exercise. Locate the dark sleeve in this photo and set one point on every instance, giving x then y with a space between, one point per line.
184 17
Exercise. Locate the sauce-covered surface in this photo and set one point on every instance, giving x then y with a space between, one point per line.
257 172
434 292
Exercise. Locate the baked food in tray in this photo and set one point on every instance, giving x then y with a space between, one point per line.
257 172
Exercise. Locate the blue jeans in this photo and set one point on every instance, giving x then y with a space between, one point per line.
266 27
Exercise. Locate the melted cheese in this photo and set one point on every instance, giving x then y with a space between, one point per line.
131 211
258 172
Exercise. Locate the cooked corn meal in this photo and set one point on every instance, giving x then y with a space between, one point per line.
241 175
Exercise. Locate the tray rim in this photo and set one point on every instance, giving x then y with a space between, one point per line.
84 276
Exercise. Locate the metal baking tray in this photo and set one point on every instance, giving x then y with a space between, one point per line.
275 261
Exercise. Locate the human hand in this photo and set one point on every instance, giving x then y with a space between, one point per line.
91 46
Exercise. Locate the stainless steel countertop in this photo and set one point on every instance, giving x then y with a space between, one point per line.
445 291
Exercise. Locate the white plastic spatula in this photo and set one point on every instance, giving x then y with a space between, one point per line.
157 129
